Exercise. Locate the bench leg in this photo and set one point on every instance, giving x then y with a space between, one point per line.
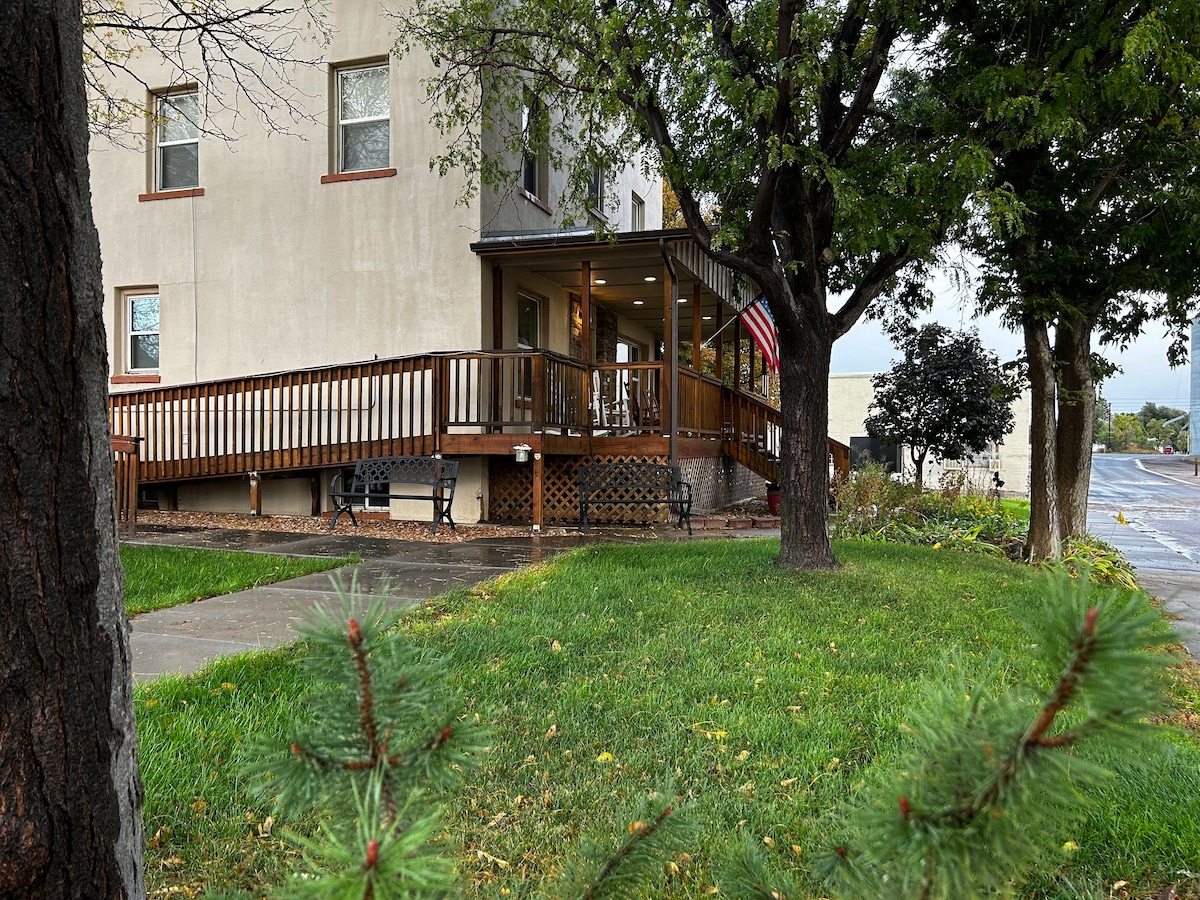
441 513
338 510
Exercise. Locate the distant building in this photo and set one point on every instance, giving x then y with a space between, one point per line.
849 399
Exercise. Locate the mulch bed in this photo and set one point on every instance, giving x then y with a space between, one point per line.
373 528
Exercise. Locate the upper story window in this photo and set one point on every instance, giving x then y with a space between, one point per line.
595 189
142 331
535 170
364 118
177 141
637 209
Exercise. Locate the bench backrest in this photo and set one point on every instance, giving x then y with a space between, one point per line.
405 470
657 476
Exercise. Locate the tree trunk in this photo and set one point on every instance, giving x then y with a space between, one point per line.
1076 424
805 354
70 796
919 468
1045 538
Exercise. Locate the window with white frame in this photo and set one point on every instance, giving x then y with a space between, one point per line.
535 169
177 141
364 118
637 213
595 188
142 333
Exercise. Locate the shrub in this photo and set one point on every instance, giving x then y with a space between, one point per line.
872 506
1101 562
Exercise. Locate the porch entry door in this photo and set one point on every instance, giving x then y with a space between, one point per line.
629 385
529 337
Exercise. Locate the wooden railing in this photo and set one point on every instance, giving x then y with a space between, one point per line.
331 416
125 472
701 402
291 420
497 390
753 434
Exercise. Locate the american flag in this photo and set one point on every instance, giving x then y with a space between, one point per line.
761 323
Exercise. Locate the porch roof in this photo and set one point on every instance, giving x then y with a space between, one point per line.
625 270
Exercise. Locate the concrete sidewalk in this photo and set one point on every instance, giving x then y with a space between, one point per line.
184 638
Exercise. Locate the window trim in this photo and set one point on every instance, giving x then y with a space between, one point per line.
637 212
595 198
340 172
127 300
535 118
159 191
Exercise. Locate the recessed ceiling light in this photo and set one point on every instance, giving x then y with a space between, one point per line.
683 299
649 278
706 318
638 302
600 281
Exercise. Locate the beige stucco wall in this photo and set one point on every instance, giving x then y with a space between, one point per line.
851 395
272 270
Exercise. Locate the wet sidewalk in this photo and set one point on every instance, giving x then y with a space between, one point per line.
184 638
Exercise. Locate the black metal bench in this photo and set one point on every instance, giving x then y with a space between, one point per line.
635 482
373 479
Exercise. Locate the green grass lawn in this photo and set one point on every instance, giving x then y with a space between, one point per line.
768 697
1018 509
160 577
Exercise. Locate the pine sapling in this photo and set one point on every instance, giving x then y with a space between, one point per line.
380 738
992 776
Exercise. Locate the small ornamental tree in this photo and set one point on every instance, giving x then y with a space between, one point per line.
948 396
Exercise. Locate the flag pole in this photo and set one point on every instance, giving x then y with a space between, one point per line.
712 337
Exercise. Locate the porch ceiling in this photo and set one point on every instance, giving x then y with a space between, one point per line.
631 269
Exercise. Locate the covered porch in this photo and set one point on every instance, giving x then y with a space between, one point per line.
585 366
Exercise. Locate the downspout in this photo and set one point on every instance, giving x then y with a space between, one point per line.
671 347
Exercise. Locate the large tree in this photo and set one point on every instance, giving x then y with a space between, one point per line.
792 118
70 797
1091 109
948 396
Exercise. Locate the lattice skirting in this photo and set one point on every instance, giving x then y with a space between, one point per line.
720 481
715 482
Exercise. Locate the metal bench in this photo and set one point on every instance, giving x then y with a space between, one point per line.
635 482
373 479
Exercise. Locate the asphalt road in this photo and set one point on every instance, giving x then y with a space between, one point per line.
1159 498
1158 495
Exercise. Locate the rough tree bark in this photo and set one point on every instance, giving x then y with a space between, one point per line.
804 483
1076 423
1045 535
70 796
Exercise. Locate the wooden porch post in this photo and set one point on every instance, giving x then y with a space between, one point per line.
539 471
255 494
720 348
585 331
670 404
737 353
697 309
497 308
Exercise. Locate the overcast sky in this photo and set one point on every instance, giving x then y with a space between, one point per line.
1146 376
